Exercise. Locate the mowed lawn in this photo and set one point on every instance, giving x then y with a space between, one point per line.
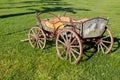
19 61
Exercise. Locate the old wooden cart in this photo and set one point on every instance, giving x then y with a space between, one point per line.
70 34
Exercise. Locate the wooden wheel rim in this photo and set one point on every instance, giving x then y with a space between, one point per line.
70 51
37 38
106 45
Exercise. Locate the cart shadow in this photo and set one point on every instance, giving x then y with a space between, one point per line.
49 44
90 51
116 44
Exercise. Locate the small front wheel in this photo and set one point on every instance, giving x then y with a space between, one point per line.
37 38
69 46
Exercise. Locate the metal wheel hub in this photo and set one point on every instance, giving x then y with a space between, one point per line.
36 37
66 48
100 41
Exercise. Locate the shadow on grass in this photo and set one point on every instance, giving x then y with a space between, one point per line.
55 9
16 14
35 3
116 44
49 44
90 51
46 3
45 9
12 7
26 29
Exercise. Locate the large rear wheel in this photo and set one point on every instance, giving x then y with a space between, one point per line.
106 42
69 46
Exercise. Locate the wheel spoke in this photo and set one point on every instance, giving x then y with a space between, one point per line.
63 37
60 47
66 56
62 52
70 58
102 48
35 44
66 36
39 44
36 31
98 47
75 51
61 42
73 41
74 46
104 45
33 32
70 37
106 41
31 35
41 38
106 37
41 41
73 55
39 32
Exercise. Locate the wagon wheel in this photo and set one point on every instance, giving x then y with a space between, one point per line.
69 46
106 42
37 38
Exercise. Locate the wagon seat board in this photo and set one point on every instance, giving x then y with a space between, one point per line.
93 27
54 23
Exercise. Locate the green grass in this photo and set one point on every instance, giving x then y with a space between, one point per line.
19 61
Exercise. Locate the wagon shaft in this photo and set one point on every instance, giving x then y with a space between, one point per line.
24 40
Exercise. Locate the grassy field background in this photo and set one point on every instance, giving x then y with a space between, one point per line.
19 61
